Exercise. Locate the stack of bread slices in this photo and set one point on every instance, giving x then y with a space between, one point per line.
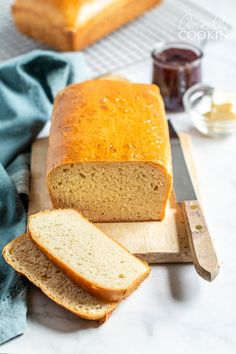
75 264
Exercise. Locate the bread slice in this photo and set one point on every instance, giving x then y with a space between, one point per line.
109 153
91 258
23 255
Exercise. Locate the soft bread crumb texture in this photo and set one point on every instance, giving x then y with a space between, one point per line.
23 255
110 191
109 152
83 249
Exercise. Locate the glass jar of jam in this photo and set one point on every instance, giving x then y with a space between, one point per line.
176 67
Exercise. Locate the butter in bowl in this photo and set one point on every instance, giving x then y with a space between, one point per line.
212 111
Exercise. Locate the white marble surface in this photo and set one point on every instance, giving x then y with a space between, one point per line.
174 311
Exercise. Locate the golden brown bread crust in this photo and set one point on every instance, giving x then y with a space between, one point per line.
54 22
95 106
126 122
6 252
107 294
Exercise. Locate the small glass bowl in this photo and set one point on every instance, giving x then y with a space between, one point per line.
197 101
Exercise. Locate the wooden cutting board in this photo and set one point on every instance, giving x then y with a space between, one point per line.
156 242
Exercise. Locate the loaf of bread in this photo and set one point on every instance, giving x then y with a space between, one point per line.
23 255
88 256
109 152
74 24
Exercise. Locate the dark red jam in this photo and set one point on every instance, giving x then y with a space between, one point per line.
175 69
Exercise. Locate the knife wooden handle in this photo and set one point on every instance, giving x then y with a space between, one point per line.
203 253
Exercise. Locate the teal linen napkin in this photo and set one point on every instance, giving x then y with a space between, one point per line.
28 86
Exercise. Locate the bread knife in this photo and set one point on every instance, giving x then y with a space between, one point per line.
202 250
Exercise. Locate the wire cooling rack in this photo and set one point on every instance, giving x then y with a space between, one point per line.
128 45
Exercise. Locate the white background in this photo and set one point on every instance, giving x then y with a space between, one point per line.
174 311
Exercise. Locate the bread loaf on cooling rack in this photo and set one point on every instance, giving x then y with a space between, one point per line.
74 24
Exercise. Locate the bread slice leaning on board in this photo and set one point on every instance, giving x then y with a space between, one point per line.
88 256
23 255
